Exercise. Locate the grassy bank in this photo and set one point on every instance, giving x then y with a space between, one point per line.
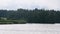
12 21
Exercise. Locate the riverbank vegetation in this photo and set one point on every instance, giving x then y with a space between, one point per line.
20 16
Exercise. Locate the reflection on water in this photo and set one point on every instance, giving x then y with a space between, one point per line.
30 29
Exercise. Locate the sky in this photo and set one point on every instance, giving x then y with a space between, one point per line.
30 4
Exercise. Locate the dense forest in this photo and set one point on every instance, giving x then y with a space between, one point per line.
30 16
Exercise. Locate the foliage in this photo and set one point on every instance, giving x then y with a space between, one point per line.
30 16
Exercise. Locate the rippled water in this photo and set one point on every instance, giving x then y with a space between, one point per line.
30 29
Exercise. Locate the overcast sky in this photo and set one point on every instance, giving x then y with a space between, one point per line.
30 4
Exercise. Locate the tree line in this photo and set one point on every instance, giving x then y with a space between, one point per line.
32 16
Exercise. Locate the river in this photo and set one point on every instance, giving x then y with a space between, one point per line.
30 29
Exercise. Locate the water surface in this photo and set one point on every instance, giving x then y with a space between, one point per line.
30 29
